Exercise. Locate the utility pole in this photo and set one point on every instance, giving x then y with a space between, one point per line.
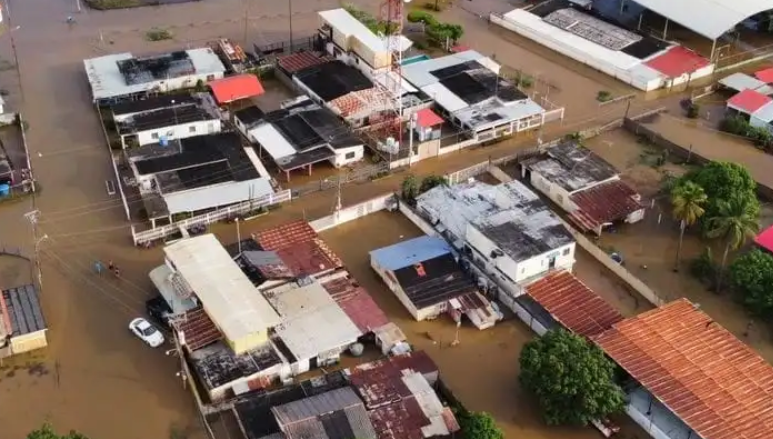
32 217
246 21
290 15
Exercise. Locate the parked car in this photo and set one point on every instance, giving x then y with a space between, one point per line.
159 310
146 332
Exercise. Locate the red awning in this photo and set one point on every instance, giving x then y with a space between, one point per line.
427 118
236 87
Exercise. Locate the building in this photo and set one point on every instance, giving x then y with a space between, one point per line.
287 66
363 311
122 76
195 173
314 329
738 82
127 109
337 414
247 118
22 325
748 102
201 266
165 124
690 377
426 125
505 229
468 91
561 300
234 88
300 136
584 185
426 278
400 399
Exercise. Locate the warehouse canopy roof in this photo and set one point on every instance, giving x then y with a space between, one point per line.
710 18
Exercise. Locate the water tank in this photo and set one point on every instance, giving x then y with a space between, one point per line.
5 190
164 141
357 349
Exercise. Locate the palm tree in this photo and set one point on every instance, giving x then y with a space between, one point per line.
735 223
687 201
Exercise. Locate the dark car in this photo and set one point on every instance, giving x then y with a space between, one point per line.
159 310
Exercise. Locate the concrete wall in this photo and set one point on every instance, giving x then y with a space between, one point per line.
525 317
180 131
388 278
417 220
29 342
352 213
340 158
556 193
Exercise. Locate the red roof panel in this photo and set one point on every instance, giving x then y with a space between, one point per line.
357 304
428 118
765 239
285 235
236 87
765 75
605 203
677 61
716 384
749 101
573 304
302 60
198 329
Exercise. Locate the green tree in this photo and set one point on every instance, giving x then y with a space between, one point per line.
422 17
431 181
751 276
723 181
409 189
479 425
571 378
47 432
687 200
735 222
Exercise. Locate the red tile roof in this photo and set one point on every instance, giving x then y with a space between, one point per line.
765 75
285 235
357 101
573 304
302 60
749 101
716 384
604 203
427 118
677 61
198 329
236 87
765 239
357 304
300 248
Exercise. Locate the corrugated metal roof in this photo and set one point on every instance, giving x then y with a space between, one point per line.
748 101
234 88
228 296
301 60
573 304
198 329
272 141
285 235
410 252
379 382
710 19
21 307
312 322
356 303
716 384
223 194
741 81
605 203
310 418
677 61
765 113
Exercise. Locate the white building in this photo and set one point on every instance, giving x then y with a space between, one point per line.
506 229
585 186
165 124
467 89
196 173
125 110
123 76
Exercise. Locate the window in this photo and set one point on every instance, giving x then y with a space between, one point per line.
210 78
154 136
192 129
566 251
349 155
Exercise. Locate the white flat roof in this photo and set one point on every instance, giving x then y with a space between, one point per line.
227 295
740 81
272 141
221 194
343 22
419 75
312 321
444 97
160 278
710 18
765 113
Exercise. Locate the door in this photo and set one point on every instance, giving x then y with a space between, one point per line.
552 263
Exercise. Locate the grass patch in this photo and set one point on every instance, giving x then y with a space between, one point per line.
104 5
158 34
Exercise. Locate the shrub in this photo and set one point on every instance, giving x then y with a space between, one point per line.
422 17
604 96
525 81
433 6
693 110
703 267
158 34
735 124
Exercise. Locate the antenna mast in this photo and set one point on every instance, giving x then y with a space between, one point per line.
390 126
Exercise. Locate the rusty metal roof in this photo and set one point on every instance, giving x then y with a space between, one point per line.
604 203
716 384
356 303
379 382
400 420
198 329
573 304
301 60
285 235
299 247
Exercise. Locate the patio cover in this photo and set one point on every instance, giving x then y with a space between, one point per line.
710 18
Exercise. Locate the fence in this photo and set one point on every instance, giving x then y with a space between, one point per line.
280 48
352 213
356 175
211 217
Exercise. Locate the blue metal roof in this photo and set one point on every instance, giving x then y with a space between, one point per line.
411 252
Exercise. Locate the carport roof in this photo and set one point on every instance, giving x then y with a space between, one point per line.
709 18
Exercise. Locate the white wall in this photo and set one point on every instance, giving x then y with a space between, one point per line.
556 193
340 157
391 282
352 213
181 131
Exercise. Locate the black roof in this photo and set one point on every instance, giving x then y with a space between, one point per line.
474 83
24 310
441 280
519 244
166 117
250 115
213 158
333 79
153 103
254 409
305 158
217 364
307 124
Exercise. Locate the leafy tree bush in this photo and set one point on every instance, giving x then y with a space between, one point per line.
437 31
479 425
603 96
751 276
735 222
703 267
409 189
734 124
375 26
47 432
571 378
687 200
723 181
422 17
693 110
430 182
